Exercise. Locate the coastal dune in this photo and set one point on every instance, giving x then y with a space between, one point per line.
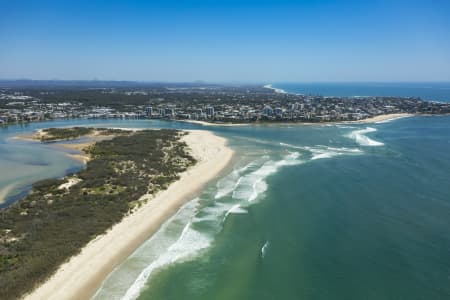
83 274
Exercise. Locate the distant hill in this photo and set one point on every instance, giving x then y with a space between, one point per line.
98 84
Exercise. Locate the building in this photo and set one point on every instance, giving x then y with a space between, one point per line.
210 111
267 111
278 112
169 112
149 111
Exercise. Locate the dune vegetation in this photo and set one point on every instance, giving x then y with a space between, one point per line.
60 216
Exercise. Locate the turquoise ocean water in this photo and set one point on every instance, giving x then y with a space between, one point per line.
306 212
433 91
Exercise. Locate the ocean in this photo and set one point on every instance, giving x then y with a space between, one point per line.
432 91
359 211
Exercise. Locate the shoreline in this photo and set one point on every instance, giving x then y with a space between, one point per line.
383 118
83 274
206 123
371 120
81 156
278 91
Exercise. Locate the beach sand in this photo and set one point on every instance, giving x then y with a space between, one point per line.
83 274
376 119
81 156
384 118
206 123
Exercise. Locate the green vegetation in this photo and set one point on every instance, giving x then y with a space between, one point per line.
57 134
53 223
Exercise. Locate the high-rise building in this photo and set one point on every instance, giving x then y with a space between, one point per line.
169 112
210 111
149 111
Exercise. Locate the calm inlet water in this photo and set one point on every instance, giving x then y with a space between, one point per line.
306 212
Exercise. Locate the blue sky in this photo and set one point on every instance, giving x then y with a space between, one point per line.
226 41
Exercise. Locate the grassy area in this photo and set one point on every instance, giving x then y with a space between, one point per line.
58 134
43 230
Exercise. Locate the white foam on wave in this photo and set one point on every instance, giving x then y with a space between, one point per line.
122 278
227 184
235 209
278 91
360 137
329 152
253 184
246 184
217 213
264 249
188 245
321 151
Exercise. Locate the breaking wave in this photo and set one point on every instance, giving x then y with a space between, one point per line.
244 189
264 249
235 209
329 152
360 137
320 151
203 220
227 184
250 186
188 244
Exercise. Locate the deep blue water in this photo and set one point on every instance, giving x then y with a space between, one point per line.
433 91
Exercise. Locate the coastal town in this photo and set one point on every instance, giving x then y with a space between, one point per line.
209 103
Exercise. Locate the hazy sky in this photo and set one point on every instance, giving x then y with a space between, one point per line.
265 41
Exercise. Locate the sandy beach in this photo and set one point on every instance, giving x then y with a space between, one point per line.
278 91
376 119
205 123
83 274
384 118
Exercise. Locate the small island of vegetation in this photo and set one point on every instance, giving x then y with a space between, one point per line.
60 216
62 134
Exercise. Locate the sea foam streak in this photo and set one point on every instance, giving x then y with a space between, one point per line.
329 152
264 249
190 242
253 184
235 209
125 275
227 184
187 245
360 138
321 151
